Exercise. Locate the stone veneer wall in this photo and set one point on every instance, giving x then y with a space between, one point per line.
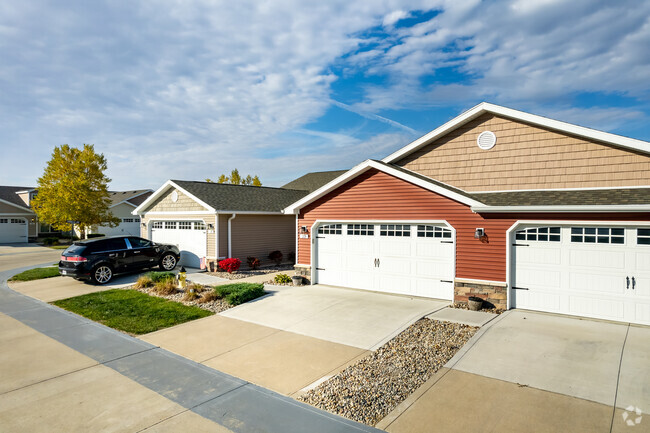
304 271
493 294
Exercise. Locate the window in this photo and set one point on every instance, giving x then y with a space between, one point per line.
433 232
127 220
112 245
199 225
541 234
643 236
4 220
17 221
398 230
136 220
139 243
157 225
185 225
601 235
330 229
170 224
361 230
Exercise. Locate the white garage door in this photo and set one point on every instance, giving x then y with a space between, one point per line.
592 271
411 259
189 236
13 230
127 227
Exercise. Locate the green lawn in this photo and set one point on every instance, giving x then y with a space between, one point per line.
36 274
58 247
131 311
238 293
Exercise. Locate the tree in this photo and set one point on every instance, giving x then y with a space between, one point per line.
248 180
235 178
74 188
256 181
223 179
208 180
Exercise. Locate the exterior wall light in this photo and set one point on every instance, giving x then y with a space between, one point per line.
303 229
479 233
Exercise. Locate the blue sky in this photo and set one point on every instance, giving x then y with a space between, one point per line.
192 89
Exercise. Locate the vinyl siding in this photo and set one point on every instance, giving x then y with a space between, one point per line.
7 208
525 157
223 234
183 204
377 196
258 235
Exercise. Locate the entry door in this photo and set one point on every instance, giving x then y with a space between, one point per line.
591 271
410 259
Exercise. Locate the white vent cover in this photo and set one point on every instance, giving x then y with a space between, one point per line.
175 196
486 140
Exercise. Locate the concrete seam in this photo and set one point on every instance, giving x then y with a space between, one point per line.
618 377
243 345
50 378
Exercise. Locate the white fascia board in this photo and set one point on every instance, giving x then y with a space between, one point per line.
127 200
564 209
123 202
250 212
484 107
160 192
367 165
23 208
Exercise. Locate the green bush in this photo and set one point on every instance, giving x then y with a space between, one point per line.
158 277
95 235
282 279
239 293
50 241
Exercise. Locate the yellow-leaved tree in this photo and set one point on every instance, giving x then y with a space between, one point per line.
74 188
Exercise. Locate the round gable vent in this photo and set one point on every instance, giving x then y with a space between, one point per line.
486 140
175 196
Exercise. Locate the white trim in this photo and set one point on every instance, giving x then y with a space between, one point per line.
123 202
547 223
250 212
194 212
593 188
297 235
230 234
576 209
126 200
159 192
475 281
25 208
484 107
367 165
314 271
216 236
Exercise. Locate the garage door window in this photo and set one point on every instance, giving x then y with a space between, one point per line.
199 225
601 235
643 236
170 224
4 220
433 232
361 230
330 229
185 225
398 230
127 220
17 221
157 225
541 234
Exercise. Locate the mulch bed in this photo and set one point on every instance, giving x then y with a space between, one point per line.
216 306
464 306
251 273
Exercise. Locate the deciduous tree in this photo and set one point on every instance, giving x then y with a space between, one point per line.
236 179
74 188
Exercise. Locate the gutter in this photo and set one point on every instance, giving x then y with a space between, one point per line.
555 209
230 234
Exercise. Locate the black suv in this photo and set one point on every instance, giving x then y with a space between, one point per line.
98 259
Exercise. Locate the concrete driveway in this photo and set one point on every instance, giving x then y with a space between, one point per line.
14 256
529 371
355 318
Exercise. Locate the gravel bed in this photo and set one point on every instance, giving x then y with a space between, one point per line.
251 273
464 306
216 306
370 389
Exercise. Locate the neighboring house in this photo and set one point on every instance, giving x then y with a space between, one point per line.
215 221
122 205
520 210
18 222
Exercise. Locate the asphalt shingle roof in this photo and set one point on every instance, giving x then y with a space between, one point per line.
226 197
8 193
312 181
138 196
569 198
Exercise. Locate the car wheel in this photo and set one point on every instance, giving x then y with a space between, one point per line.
168 262
101 274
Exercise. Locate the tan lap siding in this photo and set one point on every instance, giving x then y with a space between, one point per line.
223 235
208 218
182 204
258 235
525 157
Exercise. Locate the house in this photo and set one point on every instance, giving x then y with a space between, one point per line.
122 205
17 221
518 209
215 221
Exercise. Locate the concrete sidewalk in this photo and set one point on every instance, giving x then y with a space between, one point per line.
212 280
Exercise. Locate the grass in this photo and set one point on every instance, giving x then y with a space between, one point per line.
131 311
239 293
58 247
36 274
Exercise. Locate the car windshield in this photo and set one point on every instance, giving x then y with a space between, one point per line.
75 249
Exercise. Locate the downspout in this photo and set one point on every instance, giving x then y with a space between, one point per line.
230 234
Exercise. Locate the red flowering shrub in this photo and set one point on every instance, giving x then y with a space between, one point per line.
253 262
230 265
276 256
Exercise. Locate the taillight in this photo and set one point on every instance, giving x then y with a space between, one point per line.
73 259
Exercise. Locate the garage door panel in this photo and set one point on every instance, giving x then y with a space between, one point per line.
538 300
441 270
398 285
642 312
394 248
355 245
590 306
539 256
642 260
599 257
597 282
434 250
536 277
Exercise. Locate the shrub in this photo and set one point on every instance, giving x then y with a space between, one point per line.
190 296
291 257
208 297
230 265
239 293
253 262
276 256
158 277
166 287
143 282
95 235
50 241
282 279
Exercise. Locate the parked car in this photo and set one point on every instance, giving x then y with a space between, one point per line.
99 259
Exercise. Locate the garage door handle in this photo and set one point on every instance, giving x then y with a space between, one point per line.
520 245
446 281
446 242
628 282
633 283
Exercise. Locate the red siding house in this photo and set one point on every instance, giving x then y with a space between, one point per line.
520 210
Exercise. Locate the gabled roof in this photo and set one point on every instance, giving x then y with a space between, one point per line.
8 195
485 107
310 182
132 197
218 197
